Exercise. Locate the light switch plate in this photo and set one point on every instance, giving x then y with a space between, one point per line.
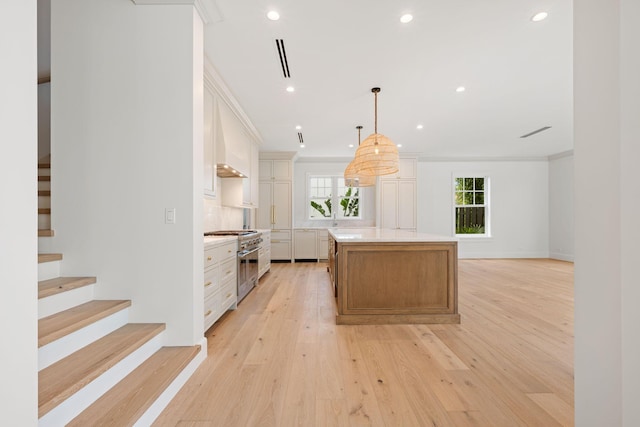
170 215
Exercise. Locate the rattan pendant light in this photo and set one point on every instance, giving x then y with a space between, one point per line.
352 178
377 155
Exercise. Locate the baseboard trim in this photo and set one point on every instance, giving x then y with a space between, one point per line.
561 257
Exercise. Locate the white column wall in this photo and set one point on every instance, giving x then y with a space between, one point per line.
18 216
126 145
607 342
518 206
630 208
561 231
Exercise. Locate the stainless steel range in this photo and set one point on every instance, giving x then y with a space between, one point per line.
248 246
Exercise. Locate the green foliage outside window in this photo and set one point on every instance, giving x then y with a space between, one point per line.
349 204
470 205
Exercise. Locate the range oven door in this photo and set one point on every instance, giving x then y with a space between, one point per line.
247 271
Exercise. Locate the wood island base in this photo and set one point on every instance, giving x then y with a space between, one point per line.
393 277
395 319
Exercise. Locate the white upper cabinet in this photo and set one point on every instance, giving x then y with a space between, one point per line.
250 185
406 170
275 169
209 152
397 197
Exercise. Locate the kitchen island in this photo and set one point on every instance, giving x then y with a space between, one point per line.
384 276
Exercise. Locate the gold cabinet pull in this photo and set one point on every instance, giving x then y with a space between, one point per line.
207 313
208 258
228 272
207 284
229 295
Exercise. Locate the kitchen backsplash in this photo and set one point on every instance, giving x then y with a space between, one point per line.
218 217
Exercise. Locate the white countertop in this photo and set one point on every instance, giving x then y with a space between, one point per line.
344 235
218 240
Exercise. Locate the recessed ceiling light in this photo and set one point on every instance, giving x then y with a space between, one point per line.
290 89
460 89
539 16
406 18
399 145
350 145
298 127
301 145
419 127
273 15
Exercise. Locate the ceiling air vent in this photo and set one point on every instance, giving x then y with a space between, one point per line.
536 131
300 138
283 58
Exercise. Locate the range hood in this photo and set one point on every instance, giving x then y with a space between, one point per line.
223 170
232 144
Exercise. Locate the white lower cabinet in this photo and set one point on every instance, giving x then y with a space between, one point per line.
264 253
220 279
323 245
305 244
281 245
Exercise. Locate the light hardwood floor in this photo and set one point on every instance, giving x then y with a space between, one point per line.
280 359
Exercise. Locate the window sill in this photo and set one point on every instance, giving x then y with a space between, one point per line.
474 237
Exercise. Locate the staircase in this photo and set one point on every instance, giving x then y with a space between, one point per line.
94 367
44 197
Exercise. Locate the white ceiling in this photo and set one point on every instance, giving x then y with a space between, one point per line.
517 74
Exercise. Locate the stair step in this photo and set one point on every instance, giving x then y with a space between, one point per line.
66 322
128 400
45 233
64 378
44 193
46 288
44 178
44 211
49 257
44 162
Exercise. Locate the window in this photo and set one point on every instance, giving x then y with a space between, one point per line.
471 205
328 195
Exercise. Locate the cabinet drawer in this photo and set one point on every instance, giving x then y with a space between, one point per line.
211 309
266 240
211 281
228 270
228 295
227 251
210 257
280 235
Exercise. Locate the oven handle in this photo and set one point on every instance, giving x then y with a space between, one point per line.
245 252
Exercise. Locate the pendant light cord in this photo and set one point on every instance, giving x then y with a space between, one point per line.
375 122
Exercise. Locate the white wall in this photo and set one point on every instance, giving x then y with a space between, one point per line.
606 91
561 234
301 168
127 94
18 216
518 206
629 208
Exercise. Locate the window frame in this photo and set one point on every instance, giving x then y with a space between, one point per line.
335 200
486 204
